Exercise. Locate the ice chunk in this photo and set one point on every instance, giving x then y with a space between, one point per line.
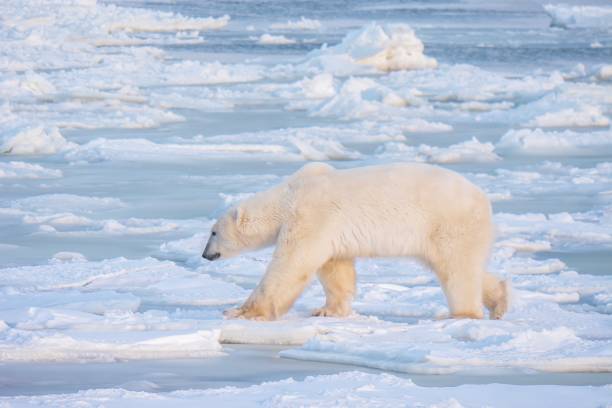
468 151
322 149
390 47
567 16
269 39
359 98
605 73
277 332
22 345
66 256
320 86
540 142
36 140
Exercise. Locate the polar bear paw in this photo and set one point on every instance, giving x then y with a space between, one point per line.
503 303
245 313
331 312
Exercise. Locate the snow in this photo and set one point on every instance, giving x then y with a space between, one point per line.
269 39
35 141
320 86
389 47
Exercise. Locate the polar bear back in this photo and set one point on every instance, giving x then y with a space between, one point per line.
385 210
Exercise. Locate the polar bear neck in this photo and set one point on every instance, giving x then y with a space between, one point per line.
263 217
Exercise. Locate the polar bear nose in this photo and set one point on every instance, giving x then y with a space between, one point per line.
211 257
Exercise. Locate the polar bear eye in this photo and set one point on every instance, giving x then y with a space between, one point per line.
213 233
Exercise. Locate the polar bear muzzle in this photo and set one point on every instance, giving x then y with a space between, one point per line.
210 256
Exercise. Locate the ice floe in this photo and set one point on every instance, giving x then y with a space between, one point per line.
48 29
52 203
561 229
586 116
292 149
67 215
566 16
64 347
540 142
35 140
345 389
23 170
302 24
471 151
149 279
560 320
548 178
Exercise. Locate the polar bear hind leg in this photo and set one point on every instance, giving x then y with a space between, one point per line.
495 295
338 279
458 254
460 267
462 285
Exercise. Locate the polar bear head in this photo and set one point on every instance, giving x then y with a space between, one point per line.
240 229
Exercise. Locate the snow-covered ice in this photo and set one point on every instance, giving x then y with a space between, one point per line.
127 126
390 47
346 389
270 39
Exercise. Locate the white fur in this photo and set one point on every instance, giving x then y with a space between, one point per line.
321 219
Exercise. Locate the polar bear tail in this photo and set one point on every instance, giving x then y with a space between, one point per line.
496 295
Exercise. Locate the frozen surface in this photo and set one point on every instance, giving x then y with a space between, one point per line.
346 389
127 126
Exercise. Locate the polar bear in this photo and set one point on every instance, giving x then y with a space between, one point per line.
321 219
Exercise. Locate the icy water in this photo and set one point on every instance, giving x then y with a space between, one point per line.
242 366
128 126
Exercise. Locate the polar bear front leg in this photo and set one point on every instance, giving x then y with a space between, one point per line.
338 279
290 270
